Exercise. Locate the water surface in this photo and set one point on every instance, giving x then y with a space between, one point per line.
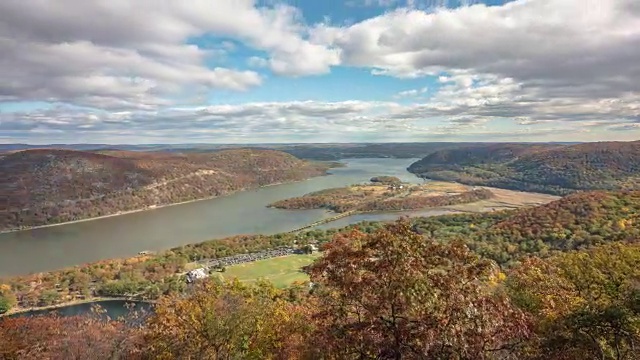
112 308
245 212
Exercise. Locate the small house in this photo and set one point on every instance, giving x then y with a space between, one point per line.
196 274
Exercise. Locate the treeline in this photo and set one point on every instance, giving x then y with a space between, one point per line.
551 169
390 294
385 180
54 186
385 150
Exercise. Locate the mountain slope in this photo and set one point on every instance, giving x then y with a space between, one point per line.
47 186
545 168
577 221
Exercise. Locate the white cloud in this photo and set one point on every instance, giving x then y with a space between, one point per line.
298 121
411 93
122 54
520 40
547 67
419 4
257 62
541 59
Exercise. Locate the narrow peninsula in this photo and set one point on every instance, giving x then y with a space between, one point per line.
386 194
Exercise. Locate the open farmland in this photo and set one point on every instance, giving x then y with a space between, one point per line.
281 271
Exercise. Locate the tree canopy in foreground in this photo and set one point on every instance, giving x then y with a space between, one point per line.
390 294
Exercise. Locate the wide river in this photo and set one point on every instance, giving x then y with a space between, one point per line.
244 212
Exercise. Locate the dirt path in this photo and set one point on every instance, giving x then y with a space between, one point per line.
506 199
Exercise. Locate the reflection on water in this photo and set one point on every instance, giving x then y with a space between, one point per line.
241 213
113 309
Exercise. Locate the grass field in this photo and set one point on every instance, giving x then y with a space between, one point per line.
281 271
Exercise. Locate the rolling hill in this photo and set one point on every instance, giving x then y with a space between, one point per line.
545 168
48 186
577 221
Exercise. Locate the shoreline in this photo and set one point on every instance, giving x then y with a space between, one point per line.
495 203
151 207
19 311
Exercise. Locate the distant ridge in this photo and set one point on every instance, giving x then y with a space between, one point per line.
336 147
546 168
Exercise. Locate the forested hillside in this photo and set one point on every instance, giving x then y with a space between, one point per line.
387 294
48 186
543 168
577 221
384 150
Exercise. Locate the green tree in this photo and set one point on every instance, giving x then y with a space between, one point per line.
5 304
586 304
49 297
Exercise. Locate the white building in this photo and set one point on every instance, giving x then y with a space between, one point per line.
196 274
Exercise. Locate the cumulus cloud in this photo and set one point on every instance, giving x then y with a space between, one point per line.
121 54
543 67
519 40
541 59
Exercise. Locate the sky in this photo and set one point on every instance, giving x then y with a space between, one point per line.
269 71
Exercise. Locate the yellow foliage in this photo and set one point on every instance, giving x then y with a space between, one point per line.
622 223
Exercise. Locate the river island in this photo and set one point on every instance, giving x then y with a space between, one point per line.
386 194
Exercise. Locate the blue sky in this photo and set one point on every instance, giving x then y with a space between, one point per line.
242 71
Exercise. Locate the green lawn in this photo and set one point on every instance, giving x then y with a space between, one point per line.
281 271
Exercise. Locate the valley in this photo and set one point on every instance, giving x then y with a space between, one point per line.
504 236
50 248
465 225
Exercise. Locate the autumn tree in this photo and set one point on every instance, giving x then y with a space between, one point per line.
67 338
7 298
394 294
228 320
5 305
586 304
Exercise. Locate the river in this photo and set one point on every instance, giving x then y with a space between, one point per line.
56 247
112 308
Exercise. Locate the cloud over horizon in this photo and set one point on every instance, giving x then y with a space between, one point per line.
145 71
